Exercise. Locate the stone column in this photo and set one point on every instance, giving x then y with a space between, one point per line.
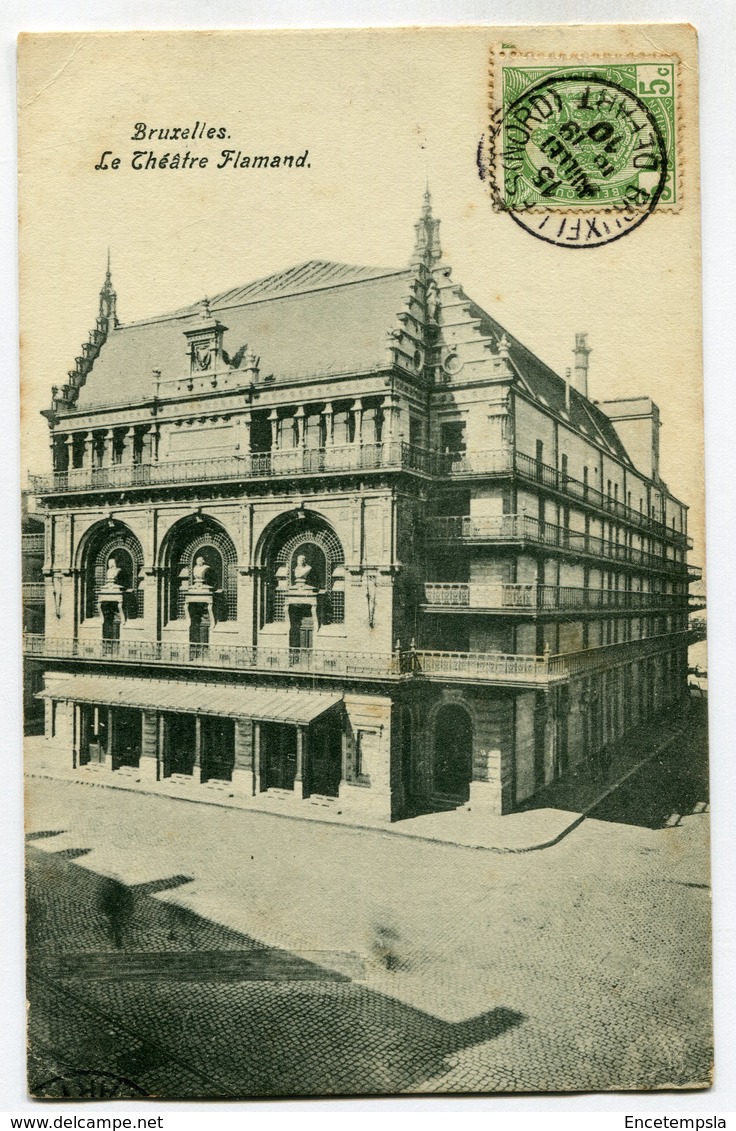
129 446
273 418
299 417
160 747
149 760
327 414
146 445
88 457
69 451
107 450
301 753
76 735
109 744
358 417
256 757
198 745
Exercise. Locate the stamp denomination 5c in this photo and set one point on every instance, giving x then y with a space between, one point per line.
593 137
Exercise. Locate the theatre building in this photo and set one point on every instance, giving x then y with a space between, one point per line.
336 535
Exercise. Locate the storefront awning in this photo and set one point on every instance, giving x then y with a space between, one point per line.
241 702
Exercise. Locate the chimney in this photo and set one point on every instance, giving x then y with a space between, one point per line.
568 379
581 352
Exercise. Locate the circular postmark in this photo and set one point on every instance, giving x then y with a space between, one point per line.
577 160
86 1084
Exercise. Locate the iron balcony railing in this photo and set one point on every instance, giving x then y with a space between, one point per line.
392 455
500 461
388 454
628 651
32 543
493 667
294 661
33 591
525 528
232 656
537 472
541 598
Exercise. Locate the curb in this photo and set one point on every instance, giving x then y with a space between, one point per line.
388 830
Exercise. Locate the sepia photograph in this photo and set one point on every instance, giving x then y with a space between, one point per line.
365 680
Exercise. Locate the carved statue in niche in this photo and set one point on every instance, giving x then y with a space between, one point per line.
113 574
200 572
302 570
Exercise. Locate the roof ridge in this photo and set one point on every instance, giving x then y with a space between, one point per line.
332 273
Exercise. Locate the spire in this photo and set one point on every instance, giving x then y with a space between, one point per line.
107 320
427 243
108 301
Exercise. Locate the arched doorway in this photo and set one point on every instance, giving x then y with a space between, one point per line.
453 753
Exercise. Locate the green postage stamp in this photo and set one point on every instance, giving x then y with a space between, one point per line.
583 134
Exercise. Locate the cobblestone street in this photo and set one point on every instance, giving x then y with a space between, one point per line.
198 951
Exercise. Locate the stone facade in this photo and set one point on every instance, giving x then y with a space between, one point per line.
336 535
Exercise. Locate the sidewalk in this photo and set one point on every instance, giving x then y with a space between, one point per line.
553 812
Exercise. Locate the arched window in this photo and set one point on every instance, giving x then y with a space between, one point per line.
204 539
113 543
305 552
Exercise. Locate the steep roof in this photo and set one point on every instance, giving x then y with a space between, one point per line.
549 389
315 318
318 317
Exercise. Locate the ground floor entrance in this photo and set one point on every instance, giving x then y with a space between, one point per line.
278 756
453 754
124 736
324 740
190 743
179 746
217 740
92 734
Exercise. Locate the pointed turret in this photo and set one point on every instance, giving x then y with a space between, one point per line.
107 320
427 243
108 301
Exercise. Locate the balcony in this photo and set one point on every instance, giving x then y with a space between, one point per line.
523 529
489 667
391 455
233 657
503 461
517 671
33 592
32 543
450 596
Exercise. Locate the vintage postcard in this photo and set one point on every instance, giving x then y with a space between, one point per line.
365 680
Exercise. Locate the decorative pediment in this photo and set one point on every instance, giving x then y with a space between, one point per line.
204 343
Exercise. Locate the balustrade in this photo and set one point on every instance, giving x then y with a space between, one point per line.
285 460
494 667
526 528
560 598
281 461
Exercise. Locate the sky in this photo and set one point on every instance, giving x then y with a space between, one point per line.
379 113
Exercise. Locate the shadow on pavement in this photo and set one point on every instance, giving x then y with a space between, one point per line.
179 1006
669 787
666 787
